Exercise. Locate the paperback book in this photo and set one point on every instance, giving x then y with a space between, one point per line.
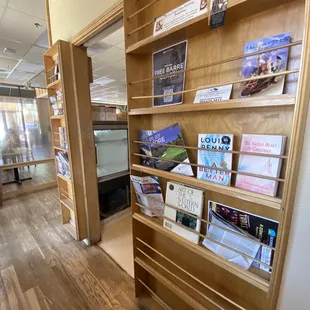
264 64
261 165
188 199
145 148
149 195
166 61
170 136
263 229
221 160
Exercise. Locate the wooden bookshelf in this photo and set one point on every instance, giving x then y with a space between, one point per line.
76 200
169 270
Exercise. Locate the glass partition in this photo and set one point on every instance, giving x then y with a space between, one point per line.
25 133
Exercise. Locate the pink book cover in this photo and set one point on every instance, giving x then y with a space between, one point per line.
268 166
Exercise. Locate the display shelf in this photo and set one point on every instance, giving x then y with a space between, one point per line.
60 149
268 101
55 85
215 58
68 203
250 277
59 117
231 191
71 229
78 195
237 9
63 177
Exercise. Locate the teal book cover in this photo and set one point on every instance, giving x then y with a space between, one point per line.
211 159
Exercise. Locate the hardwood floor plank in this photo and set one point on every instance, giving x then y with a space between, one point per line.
13 289
43 267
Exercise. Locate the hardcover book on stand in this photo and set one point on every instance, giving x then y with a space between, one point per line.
188 199
170 136
261 165
223 142
264 64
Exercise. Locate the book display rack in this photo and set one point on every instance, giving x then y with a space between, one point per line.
67 78
170 271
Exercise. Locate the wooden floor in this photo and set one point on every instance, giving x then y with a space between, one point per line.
40 174
42 267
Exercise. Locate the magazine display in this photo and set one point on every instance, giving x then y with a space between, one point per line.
149 194
63 164
241 244
265 230
263 64
222 160
268 166
188 199
171 135
145 149
169 60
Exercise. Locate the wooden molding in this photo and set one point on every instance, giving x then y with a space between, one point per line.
48 22
100 23
27 163
28 190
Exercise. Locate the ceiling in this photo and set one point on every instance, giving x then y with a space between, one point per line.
109 70
19 32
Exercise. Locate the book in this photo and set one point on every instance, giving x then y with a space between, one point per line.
264 229
169 60
149 194
188 199
171 136
215 159
263 64
145 148
266 166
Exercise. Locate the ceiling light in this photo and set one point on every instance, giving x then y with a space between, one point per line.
9 50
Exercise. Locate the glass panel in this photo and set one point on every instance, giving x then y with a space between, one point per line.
25 133
111 151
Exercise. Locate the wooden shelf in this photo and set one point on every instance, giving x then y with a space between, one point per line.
55 85
237 10
267 101
60 149
71 229
63 177
67 203
57 117
225 190
156 224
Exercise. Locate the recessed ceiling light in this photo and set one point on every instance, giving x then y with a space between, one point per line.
9 50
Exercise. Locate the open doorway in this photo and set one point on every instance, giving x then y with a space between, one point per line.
108 92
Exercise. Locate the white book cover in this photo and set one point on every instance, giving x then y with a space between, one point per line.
188 199
221 160
267 166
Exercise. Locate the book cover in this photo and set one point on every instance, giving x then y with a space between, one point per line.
145 148
222 160
265 230
171 136
267 166
149 194
263 64
188 199
169 60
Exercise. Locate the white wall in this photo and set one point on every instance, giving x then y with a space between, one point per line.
295 289
68 17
